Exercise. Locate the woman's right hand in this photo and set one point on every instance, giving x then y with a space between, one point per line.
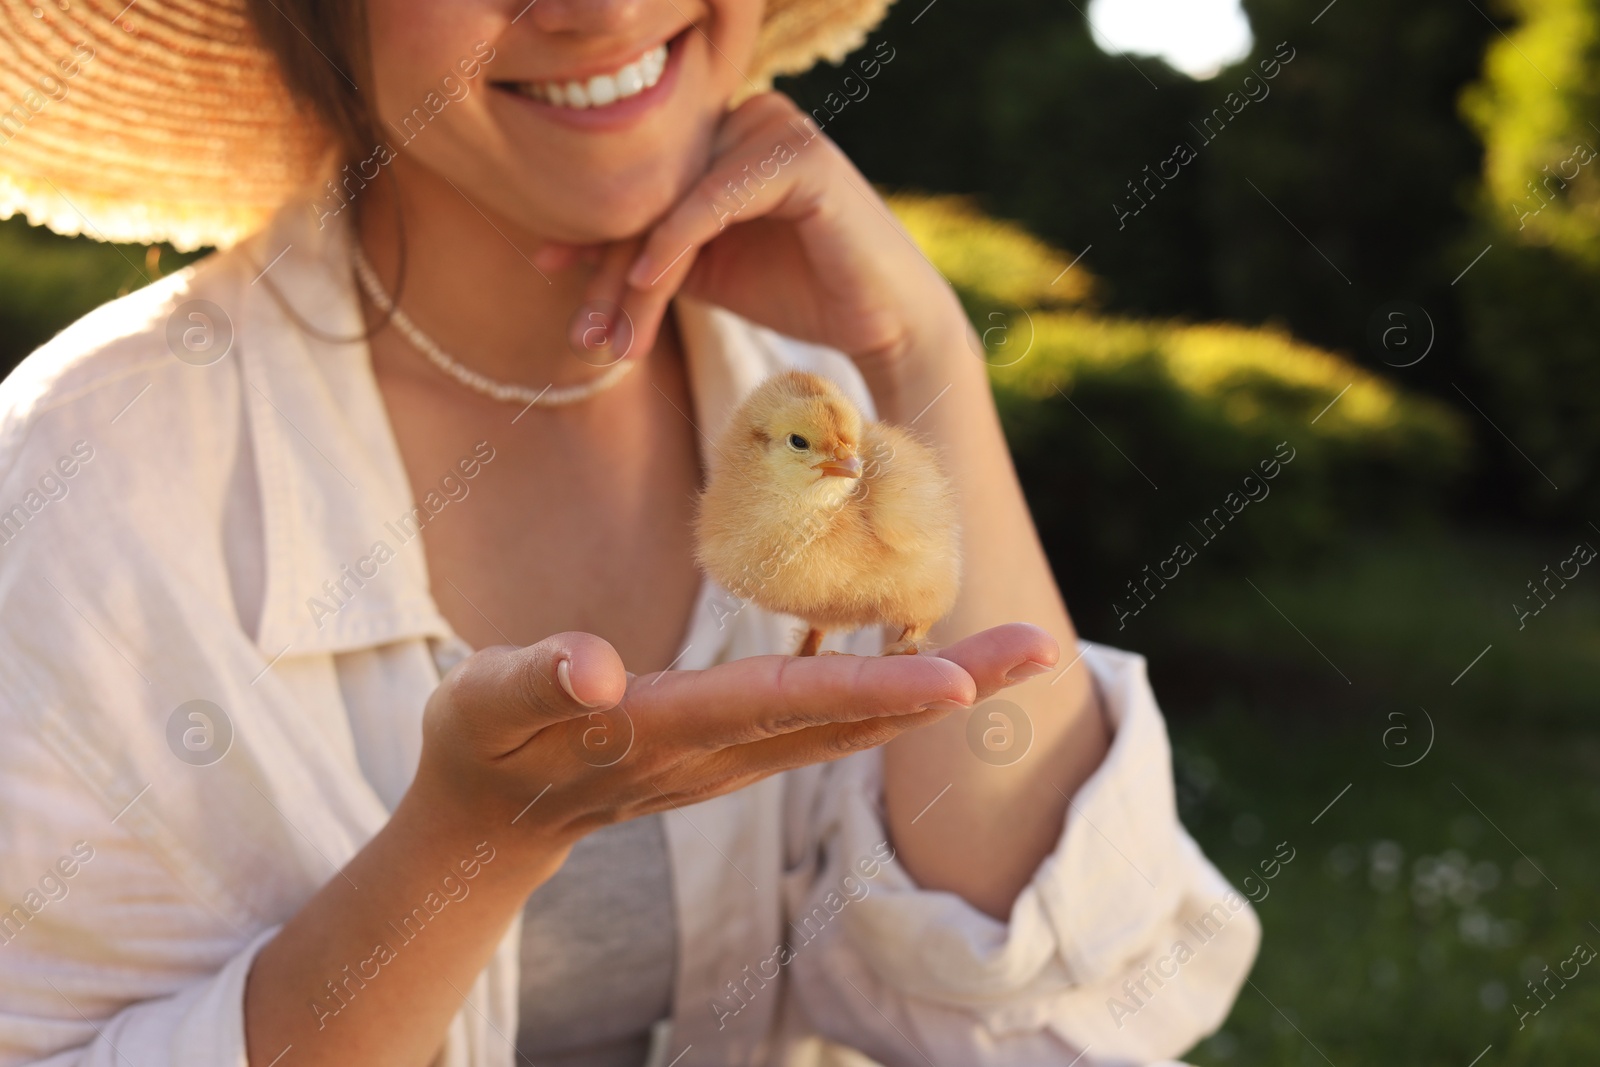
558 739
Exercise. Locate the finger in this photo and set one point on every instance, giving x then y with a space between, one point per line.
755 111
602 332
645 309
1003 656
994 658
609 278
505 695
663 263
765 696
725 770
775 168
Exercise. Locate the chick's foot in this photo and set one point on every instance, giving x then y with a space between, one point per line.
811 643
913 641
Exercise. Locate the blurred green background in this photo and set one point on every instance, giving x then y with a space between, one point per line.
1382 262
1321 638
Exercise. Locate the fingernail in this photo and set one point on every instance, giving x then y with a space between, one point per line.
1025 670
564 676
945 705
639 274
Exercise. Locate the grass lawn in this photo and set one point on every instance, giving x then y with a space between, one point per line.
1421 902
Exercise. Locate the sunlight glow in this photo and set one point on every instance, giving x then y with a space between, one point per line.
1198 37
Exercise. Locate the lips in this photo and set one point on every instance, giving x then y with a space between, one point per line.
599 91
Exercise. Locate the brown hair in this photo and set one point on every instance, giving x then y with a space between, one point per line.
321 48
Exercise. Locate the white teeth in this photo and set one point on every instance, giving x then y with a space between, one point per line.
602 89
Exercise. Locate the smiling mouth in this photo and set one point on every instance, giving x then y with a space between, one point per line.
599 90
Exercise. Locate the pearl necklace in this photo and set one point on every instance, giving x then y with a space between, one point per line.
549 396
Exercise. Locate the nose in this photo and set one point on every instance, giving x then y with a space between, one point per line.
584 17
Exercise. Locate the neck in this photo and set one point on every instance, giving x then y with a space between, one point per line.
470 281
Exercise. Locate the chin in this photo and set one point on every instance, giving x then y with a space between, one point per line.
613 211
596 200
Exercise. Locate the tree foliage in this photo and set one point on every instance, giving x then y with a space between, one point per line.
1400 143
1530 305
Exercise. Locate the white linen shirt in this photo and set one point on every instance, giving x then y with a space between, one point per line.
164 524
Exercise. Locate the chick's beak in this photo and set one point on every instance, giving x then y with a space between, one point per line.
847 466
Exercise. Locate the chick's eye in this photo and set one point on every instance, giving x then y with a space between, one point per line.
798 443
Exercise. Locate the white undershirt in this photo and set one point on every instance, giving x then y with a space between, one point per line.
599 949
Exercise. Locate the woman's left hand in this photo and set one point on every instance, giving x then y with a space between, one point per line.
784 231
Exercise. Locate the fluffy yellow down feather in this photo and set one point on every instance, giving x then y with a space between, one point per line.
813 512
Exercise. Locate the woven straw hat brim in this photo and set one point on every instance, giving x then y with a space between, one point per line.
166 120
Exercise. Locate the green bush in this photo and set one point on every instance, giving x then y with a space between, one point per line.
47 281
995 265
1128 434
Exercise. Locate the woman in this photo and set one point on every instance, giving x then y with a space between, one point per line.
264 803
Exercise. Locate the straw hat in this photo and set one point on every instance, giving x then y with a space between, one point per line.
167 120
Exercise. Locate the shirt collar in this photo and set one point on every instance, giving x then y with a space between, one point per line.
341 573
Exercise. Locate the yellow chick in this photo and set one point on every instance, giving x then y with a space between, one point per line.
812 512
